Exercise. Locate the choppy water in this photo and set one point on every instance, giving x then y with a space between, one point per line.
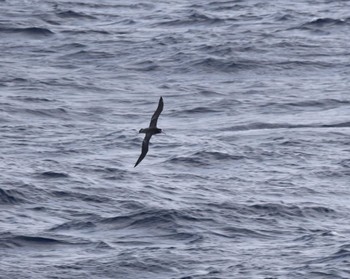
251 179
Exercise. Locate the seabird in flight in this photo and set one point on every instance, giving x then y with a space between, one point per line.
150 131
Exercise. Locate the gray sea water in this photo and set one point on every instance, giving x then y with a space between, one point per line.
250 179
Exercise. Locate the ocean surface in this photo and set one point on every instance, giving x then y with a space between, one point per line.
251 178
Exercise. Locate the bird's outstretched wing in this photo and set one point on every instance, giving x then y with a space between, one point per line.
156 114
144 150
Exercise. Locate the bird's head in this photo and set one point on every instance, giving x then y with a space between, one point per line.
142 131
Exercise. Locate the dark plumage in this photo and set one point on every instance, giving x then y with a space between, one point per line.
150 131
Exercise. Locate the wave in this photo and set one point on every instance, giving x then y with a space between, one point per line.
155 217
34 32
53 174
345 163
234 232
74 225
324 26
11 196
321 22
275 209
81 196
52 112
78 31
223 6
198 110
283 210
31 99
312 104
126 6
73 14
169 224
264 125
193 18
10 240
143 66
222 65
204 158
342 254
87 55
337 125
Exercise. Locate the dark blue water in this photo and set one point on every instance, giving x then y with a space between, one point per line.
251 179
